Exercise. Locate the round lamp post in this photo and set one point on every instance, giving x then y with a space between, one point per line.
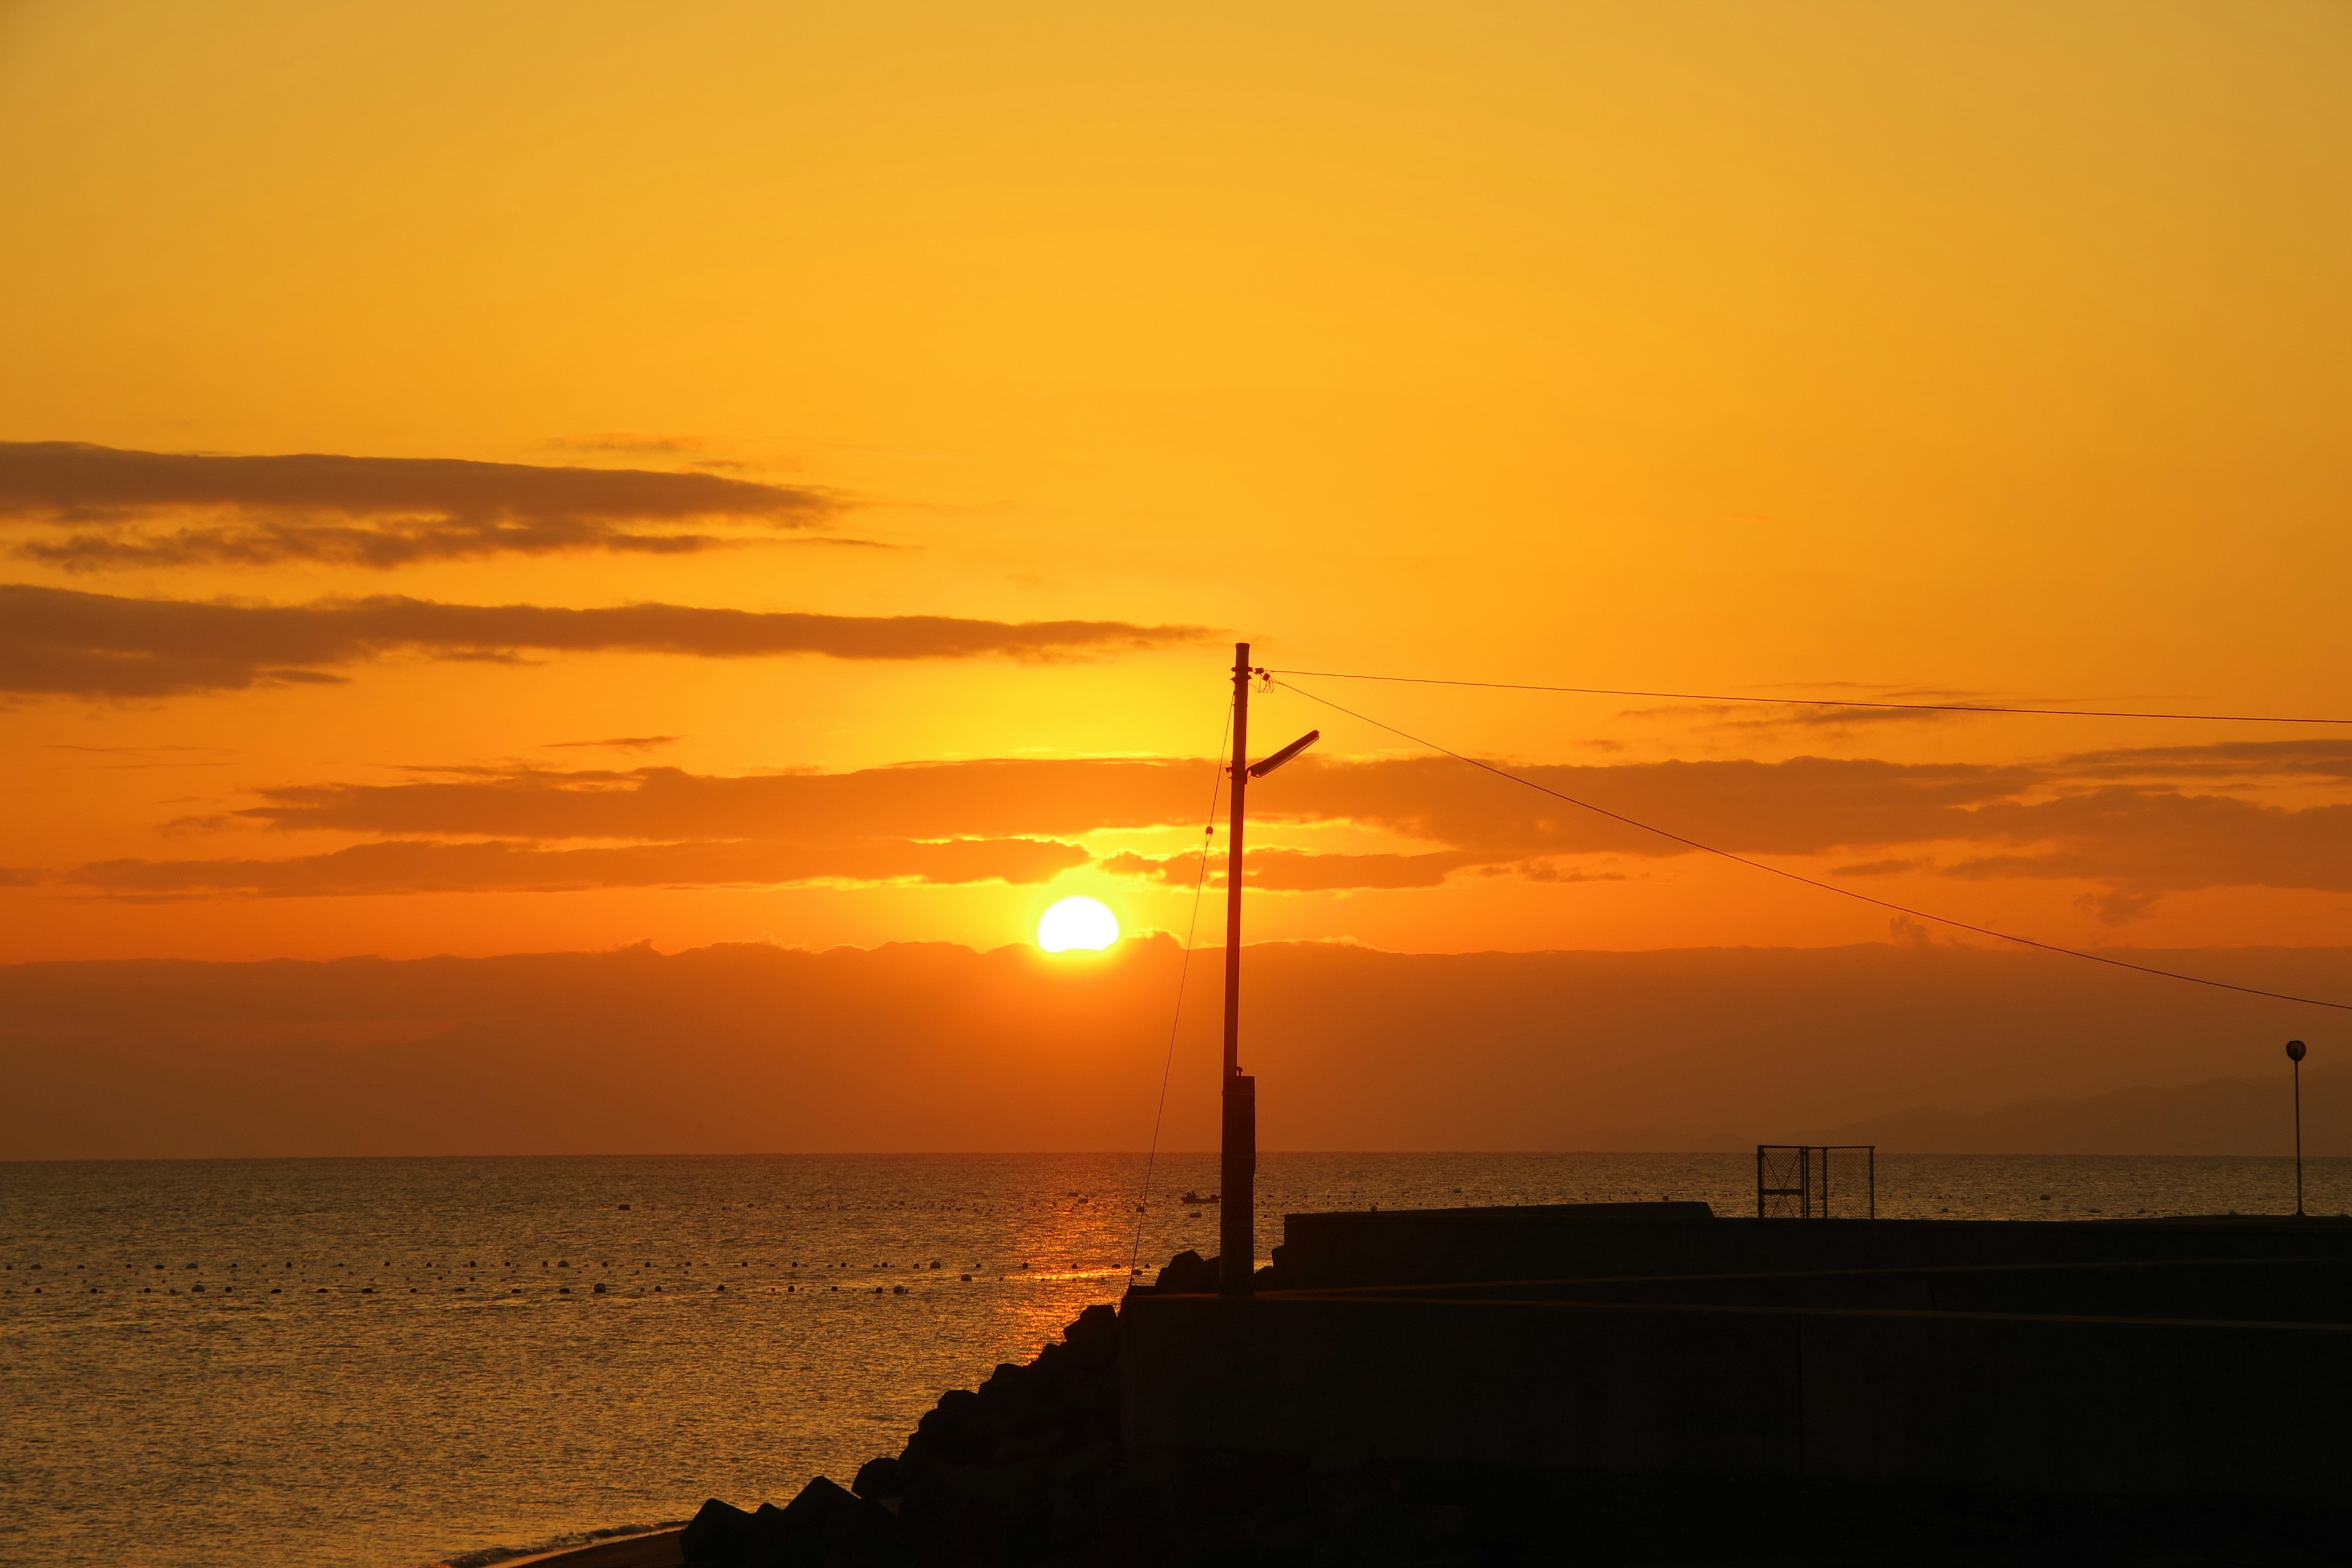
2294 1055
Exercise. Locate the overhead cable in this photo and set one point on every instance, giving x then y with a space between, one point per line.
1810 881
1813 701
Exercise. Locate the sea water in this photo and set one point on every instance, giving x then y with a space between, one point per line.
383 1363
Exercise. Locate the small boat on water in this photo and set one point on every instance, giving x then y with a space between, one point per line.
1196 1200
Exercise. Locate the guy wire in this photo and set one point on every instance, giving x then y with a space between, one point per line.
1200 880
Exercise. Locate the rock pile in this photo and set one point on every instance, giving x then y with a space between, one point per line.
823 1525
1026 1468
1029 1471
1007 1474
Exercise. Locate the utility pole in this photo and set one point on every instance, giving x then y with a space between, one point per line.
2294 1055
1237 1220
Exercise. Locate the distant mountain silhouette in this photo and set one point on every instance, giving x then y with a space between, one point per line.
931 1047
2218 1116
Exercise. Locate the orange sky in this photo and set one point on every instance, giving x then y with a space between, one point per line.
1997 350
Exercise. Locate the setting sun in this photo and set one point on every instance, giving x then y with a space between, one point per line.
1085 923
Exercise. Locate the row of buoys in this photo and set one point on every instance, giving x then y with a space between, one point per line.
563 1263
564 1291
475 1264
934 1265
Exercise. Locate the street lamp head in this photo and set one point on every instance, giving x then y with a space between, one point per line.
1259 769
2295 1050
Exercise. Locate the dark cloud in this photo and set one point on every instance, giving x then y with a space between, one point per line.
1477 821
408 866
1775 716
920 800
106 505
1877 869
1300 871
2228 760
1802 806
55 640
2146 842
2133 842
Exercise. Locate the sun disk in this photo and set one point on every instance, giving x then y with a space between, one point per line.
1085 923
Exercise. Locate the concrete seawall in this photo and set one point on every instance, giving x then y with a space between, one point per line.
2046 1405
1591 1241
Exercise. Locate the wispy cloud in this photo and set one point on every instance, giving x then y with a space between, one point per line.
107 507
618 743
630 441
424 866
59 641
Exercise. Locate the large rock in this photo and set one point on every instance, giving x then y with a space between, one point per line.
720 1535
824 1527
1187 1274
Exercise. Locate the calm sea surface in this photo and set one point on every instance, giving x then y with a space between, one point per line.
390 1363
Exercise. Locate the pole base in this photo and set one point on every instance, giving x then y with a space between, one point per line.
1237 1221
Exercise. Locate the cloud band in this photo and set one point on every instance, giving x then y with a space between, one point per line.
365 512
58 641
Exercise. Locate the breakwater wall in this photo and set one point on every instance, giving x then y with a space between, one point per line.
1443 1386
2013 1402
1597 1241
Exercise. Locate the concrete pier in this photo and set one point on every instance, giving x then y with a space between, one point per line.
2154 1358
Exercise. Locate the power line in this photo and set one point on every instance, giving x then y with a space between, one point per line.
1199 879
1809 882
1812 702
